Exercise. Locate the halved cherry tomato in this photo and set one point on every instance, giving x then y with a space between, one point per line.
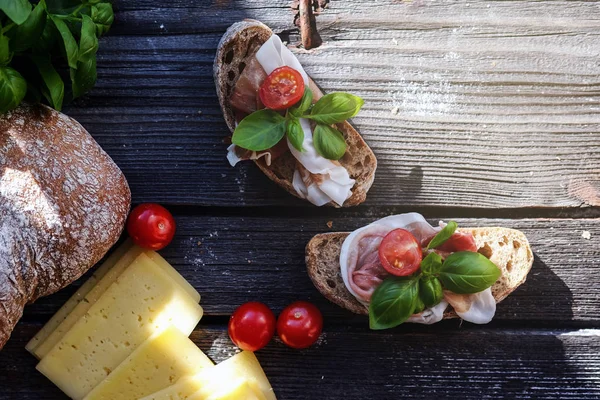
151 226
400 253
300 324
283 88
252 325
459 241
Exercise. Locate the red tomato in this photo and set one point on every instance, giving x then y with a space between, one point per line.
300 324
151 226
400 253
459 241
252 326
283 88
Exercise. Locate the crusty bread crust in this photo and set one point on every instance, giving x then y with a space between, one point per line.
241 41
507 248
63 204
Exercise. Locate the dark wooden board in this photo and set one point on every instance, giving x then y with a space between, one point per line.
232 259
354 364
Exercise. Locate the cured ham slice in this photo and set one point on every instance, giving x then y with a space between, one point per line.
478 308
244 97
236 154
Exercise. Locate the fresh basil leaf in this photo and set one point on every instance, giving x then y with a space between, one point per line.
5 53
88 44
12 89
29 32
54 90
70 44
443 235
304 104
259 131
431 264
47 40
103 16
393 302
295 134
466 272
430 291
420 306
334 108
17 10
84 77
329 142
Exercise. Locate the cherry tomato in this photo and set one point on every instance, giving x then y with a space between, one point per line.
251 326
151 226
300 324
283 88
400 253
459 241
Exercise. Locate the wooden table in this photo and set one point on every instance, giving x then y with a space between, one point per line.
484 111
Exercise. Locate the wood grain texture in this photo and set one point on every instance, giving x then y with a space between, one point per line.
478 104
353 364
231 260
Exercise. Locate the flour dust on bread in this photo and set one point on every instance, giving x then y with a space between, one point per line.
507 248
63 204
236 50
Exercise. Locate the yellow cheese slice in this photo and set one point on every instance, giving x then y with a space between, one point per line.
240 390
243 365
76 309
142 301
157 363
87 286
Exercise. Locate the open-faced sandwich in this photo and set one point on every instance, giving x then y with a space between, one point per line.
401 269
297 136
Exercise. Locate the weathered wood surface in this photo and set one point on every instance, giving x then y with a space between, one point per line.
446 364
468 104
232 259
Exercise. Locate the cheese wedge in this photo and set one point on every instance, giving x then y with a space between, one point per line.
142 301
208 382
157 363
88 285
240 390
76 309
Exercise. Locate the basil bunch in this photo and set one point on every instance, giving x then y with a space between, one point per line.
463 272
263 129
38 37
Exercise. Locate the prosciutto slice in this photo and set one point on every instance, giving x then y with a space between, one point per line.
316 178
244 97
362 271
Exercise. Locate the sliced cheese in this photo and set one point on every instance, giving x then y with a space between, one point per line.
240 390
68 307
159 362
142 301
243 365
79 308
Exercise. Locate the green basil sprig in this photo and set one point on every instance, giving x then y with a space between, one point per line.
329 142
443 235
466 272
36 36
393 302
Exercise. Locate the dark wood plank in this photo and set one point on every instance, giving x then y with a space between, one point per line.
479 105
357 364
231 260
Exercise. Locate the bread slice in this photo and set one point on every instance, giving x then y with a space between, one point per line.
507 248
241 42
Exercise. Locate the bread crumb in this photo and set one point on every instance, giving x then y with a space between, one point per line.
329 224
586 235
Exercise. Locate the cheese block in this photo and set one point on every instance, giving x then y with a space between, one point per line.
79 308
157 363
66 309
236 390
243 365
142 301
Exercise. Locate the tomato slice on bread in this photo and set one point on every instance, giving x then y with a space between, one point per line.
400 253
283 88
459 241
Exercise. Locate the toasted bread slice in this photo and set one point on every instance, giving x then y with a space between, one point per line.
507 248
241 42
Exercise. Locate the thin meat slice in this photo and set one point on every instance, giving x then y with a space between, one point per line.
244 97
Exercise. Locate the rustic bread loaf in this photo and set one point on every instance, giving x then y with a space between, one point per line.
507 248
241 42
63 204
